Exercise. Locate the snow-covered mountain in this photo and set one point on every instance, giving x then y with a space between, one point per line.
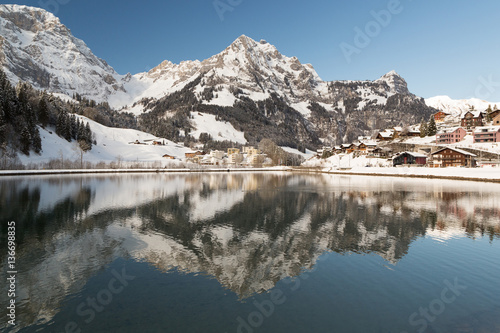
279 93
458 107
35 47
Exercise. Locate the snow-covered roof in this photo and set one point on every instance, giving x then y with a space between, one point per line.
449 130
463 152
476 114
487 129
386 134
411 153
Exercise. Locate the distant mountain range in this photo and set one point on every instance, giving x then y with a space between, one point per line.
250 84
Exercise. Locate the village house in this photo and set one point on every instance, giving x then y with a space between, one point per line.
496 120
256 159
397 131
440 116
250 151
324 149
386 135
211 160
452 157
364 138
235 158
407 158
167 156
495 113
231 151
370 147
193 154
450 135
360 148
412 132
344 147
487 134
472 119
352 147
382 152
219 154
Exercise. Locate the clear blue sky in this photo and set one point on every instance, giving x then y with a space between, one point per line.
444 47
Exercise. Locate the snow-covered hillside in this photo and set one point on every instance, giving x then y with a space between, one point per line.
113 144
218 130
458 107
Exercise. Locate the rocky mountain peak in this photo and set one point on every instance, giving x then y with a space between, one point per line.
395 82
35 47
28 18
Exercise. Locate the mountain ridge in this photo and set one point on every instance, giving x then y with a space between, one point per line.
249 81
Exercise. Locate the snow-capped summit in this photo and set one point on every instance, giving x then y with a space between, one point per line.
35 47
459 107
396 83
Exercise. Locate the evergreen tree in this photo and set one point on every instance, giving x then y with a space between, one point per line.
25 141
37 141
88 134
73 127
488 114
60 124
431 127
43 111
67 127
80 130
423 129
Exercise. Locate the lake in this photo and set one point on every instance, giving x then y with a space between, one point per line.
251 252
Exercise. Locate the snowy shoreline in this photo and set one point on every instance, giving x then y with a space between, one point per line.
474 174
451 173
114 171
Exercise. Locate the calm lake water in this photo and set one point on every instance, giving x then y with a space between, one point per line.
249 253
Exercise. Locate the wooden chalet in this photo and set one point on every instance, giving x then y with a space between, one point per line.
381 152
409 158
452 157
193 154
345 147
170 157
495 113
472 119
496 120
439 116
385 135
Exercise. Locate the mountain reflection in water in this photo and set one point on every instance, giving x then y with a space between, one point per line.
248 231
